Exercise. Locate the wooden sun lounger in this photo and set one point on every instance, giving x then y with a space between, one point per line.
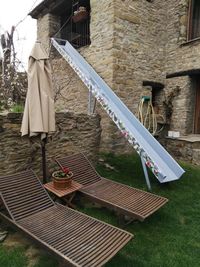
78 239
125 200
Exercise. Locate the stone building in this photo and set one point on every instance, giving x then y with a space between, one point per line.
139 47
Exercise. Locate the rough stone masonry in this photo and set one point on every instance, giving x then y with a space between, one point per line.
74 134
132 41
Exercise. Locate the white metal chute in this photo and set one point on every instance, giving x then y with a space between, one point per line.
163 166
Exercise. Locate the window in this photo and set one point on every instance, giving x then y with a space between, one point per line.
156 93
76 25
194 20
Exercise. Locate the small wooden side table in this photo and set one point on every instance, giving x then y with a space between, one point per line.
66 195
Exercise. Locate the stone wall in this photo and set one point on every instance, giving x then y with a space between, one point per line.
71 94
132 41
138 48
47 26
124 51
187 150
74 133
182 104
181 56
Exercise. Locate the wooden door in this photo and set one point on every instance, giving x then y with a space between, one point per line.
197 108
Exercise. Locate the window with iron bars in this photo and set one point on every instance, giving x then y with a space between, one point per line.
77 28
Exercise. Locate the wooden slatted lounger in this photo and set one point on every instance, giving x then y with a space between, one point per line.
78 239
125 200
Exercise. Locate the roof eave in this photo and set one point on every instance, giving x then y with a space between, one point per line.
41 9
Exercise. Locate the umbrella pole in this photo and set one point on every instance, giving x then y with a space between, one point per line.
44 161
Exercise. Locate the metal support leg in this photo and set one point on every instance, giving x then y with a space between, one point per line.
146 173
91 103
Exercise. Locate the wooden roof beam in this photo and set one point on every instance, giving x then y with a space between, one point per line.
153 84
190 72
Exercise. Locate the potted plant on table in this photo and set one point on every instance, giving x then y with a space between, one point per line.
62 178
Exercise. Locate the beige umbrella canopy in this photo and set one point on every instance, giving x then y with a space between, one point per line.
39 114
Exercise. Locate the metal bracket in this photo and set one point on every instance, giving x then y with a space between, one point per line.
91 103
146 173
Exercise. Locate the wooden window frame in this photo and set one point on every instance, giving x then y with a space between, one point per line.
190 24
190 13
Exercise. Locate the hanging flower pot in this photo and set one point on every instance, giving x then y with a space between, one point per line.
80 16
62 178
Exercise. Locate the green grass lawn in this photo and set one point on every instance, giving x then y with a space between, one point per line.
169 238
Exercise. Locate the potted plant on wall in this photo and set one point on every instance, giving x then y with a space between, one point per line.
62 178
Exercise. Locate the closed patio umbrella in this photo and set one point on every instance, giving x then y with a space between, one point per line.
39 114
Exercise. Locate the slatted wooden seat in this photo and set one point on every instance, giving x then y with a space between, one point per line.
78 239
126 200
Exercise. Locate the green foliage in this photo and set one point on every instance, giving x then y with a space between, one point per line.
46 261
17 108
2 105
